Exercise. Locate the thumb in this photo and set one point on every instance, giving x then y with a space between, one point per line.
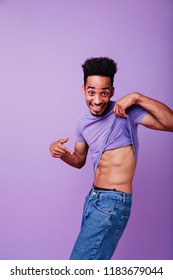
64 140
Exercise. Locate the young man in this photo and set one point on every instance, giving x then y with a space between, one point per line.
109 129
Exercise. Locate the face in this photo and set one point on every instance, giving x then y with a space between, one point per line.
97 91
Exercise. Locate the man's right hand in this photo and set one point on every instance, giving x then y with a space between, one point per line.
57 148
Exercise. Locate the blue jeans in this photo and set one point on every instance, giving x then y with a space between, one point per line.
105 217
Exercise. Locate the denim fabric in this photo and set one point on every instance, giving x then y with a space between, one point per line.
105 217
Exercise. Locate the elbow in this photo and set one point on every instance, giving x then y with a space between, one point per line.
80 164
168 123
168 128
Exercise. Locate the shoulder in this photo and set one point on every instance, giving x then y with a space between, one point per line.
83 118
82 121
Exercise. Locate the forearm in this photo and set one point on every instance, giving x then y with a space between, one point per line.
160 111
73 160
76 159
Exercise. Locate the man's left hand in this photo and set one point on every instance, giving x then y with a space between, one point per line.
123 103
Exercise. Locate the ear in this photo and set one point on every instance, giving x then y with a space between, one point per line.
112 91
83 89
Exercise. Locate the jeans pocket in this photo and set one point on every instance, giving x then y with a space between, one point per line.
86 205
121 224
124 206
105 205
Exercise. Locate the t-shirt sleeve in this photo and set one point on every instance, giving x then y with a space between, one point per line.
136 113
79 137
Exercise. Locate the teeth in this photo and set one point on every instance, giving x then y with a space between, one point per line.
97 107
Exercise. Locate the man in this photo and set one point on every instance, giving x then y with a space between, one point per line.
109 129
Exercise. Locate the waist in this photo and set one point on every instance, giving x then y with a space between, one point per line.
127 189
121 196
104 189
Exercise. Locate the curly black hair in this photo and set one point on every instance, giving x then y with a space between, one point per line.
99 66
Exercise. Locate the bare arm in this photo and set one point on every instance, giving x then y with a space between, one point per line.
159 117
76 159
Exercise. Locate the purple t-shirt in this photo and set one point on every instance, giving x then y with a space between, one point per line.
119 132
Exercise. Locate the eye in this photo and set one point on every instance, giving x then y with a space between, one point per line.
91 93
105 93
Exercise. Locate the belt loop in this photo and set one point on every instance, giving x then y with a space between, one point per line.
124 197
98 194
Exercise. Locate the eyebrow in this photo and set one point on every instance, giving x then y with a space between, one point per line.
104 88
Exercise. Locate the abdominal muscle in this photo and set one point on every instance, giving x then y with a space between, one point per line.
116 169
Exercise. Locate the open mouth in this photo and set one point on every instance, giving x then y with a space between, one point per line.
97 108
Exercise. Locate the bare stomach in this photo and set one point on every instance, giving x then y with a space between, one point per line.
116 169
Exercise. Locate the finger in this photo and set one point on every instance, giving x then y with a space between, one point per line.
56 156
115 109
62 149
117 113
64 140
59 150
122 111
68 151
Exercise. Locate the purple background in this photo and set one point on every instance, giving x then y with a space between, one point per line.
42 46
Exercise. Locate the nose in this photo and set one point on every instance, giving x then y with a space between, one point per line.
97 99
